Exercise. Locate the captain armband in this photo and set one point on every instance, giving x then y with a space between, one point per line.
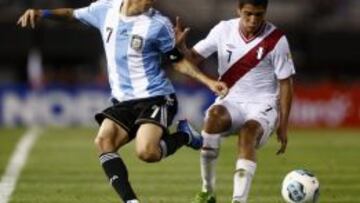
174 55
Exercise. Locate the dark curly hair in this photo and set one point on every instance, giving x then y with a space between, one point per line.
263 3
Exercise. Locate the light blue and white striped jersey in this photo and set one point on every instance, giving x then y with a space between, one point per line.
133 47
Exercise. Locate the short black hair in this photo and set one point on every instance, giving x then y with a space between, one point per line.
263 3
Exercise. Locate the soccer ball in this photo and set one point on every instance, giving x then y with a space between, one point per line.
300 186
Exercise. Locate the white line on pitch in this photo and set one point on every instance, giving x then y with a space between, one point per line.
16 163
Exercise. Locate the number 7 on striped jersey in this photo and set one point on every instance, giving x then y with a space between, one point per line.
109 30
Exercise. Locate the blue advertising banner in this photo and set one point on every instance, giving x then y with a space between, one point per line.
76 106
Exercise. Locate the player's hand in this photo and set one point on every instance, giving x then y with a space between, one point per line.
180 33
30 17
220 88
282 138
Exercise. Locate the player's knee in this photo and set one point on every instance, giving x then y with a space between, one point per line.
101 141
97 142
250 133
147 154
104 144
218 119
217 112
251 128
105 139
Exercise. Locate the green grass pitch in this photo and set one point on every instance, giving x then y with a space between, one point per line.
63 168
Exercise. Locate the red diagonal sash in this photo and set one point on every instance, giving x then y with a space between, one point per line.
250 60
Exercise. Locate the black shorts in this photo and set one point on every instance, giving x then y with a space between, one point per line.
159 110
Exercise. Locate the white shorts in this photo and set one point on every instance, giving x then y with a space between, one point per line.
266 113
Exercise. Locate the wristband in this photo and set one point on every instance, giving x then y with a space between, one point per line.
46 13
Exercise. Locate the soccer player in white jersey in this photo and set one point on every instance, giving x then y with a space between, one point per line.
255 62
144 104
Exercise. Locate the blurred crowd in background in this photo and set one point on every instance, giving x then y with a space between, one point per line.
324 38
323 35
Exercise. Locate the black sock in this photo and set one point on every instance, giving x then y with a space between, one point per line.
169 144
117 173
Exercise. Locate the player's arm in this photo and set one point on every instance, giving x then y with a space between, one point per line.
193 56
285 100
190 60
31 16
181 33
184 66
170 40
284 70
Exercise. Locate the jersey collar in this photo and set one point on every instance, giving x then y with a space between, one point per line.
146 14
257 33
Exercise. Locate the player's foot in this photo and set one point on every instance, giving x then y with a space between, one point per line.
204 197
195 139
235 201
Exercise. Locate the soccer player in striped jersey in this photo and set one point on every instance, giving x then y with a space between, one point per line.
255 62
134 35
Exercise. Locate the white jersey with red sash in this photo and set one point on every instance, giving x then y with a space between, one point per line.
250 67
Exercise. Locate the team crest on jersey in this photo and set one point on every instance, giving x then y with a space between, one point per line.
260 53
137 42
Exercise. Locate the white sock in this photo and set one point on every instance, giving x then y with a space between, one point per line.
208 167
208 159
133 201
245 170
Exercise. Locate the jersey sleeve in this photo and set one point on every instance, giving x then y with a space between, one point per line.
208 46
92 14
166 36
282 60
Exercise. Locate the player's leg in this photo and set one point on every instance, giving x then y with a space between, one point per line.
154 142
246 162
253 134
193 138
108 140
217 121
116 129
147 142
